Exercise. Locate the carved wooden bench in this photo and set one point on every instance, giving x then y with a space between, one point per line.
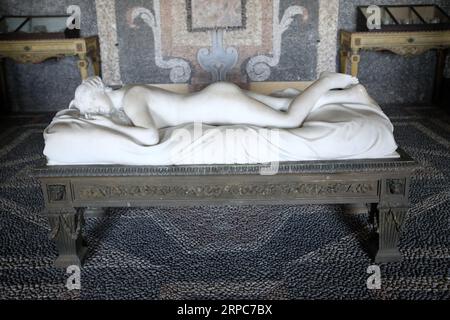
382 184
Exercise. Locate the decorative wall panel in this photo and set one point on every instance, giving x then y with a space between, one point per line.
253 28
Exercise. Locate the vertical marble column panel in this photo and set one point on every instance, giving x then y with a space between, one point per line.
328 26
107 32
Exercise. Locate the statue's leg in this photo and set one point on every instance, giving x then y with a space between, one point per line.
355 94
305 102
279 104
251 111
66 226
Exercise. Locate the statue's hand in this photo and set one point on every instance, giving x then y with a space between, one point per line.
95 82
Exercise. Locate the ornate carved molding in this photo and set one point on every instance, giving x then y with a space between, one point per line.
390 221
342 166
56 193
396 186
409 51
33 57
292 190
180 70
69 224
258 68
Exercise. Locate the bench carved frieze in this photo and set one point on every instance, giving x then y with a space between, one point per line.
106 192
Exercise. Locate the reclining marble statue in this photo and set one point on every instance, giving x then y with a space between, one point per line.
334 118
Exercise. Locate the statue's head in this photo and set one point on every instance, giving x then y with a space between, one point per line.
91 97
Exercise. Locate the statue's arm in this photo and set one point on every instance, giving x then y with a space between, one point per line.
105 125
135 107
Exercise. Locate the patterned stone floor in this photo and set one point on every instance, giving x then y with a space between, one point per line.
265 252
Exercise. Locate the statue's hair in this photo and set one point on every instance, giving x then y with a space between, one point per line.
92 84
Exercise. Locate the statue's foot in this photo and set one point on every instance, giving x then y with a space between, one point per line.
338 80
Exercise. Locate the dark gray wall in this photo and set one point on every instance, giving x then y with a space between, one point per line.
299 45
50 85
390 78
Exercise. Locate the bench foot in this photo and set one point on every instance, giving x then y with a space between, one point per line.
389 255
64 261
66 226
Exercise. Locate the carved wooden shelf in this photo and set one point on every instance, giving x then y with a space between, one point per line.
401 43
37 51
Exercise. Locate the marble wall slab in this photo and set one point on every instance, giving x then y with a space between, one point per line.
107 33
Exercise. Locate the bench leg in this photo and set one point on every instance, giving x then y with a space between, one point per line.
66 226
355 59
344 56
389 223
83 66
373 215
